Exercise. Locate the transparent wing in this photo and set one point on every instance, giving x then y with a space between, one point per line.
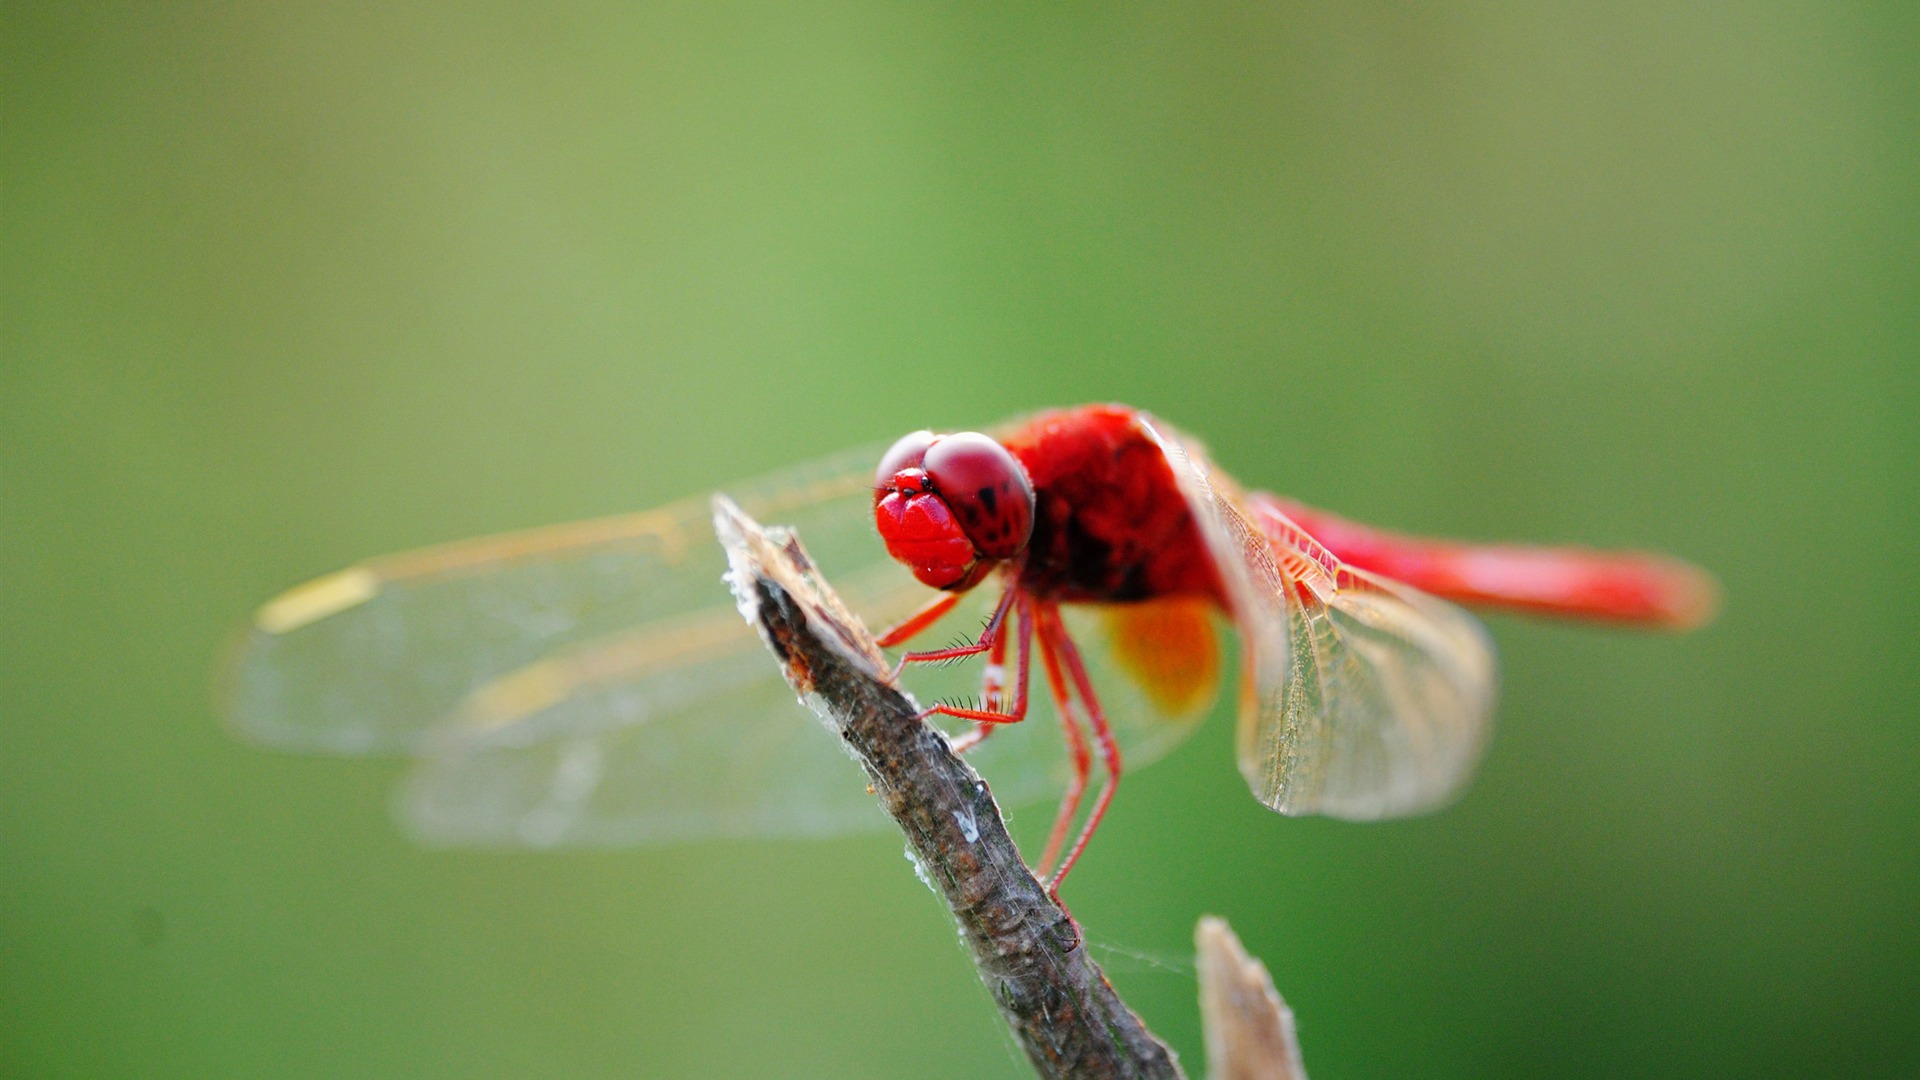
656 739
1361 698
677 729
593 684
371 659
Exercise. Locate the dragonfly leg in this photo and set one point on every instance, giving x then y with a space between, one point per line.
1054 632
993 690
1076 749
955 652
1018 710
960 744
929 613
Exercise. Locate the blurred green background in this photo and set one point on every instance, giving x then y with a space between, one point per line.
290 285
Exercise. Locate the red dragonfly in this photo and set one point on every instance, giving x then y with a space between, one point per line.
592 684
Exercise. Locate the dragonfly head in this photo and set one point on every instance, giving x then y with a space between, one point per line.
951 506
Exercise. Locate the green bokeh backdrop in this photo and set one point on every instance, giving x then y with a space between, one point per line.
289 285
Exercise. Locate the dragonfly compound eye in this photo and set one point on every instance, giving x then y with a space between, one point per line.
987 490
919 528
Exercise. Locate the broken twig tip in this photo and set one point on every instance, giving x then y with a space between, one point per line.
1249 1029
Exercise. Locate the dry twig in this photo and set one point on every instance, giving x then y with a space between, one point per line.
1028 951
1249 1029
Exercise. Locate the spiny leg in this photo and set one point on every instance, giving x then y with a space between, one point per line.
985 642
1024 634
1053 631
993 690
1076 748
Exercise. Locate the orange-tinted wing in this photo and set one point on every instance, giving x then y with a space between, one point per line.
377 658
1361 698
665 734
593 684
581 684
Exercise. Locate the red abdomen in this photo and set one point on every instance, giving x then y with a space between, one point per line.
1109 520
1110 523
1634 587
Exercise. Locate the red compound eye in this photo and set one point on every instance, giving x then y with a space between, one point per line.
986 488
916 524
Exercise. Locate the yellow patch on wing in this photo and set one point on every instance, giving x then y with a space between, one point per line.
535 688
309 603
1171 649
622 658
